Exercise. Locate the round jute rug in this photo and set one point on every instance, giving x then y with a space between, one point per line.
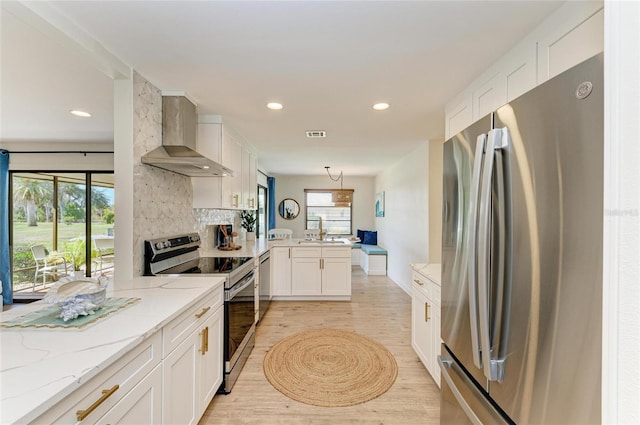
330 367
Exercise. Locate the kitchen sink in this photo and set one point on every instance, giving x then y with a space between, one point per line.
329 242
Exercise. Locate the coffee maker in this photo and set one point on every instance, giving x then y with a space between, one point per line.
219 238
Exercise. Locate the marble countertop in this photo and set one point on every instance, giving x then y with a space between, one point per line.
40 367
249 249
259 246
308 243
430 271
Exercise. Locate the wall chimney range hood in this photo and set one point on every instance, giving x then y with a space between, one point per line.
178 151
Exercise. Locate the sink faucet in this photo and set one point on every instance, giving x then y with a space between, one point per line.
320 228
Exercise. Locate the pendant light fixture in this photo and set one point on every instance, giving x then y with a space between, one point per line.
340 198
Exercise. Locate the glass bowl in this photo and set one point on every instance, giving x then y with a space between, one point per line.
78 296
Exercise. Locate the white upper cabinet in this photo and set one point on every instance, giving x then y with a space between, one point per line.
574 33
249 180
232 158
253 182
207 191
458 115
489 96
573 40
209 136
512 76
221 144
519 71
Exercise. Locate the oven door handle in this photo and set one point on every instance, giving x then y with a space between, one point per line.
242 285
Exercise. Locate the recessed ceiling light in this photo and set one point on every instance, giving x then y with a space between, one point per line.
79 113
274 105
381 106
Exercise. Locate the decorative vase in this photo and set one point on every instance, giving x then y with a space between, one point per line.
251 236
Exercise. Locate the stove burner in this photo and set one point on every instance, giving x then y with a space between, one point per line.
221 264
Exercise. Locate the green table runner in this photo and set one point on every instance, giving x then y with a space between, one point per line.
48 316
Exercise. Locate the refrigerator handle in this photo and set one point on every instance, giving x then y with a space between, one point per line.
492 367
472 249
471 400
446 363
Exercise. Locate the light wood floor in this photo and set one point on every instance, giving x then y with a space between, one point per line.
378 309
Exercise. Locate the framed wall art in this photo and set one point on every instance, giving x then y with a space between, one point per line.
380 204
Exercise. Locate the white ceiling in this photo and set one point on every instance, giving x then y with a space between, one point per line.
326 61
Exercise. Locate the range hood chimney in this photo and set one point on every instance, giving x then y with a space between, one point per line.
178 151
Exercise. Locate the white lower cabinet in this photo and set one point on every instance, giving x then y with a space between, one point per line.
336 276
192 372
306 275
425 322
111 392
211 370
169 378
314 272
435 339
280 271
420 335
140 406
179 370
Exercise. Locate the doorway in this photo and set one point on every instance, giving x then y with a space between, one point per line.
262 212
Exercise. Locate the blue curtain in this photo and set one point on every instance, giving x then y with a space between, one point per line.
5 258
271 186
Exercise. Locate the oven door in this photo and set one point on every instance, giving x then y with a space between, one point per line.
239 318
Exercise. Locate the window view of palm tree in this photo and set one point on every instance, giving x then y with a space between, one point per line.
52 223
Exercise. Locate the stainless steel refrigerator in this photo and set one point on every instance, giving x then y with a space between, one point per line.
522 258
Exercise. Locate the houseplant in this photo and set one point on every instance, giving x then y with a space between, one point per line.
248 222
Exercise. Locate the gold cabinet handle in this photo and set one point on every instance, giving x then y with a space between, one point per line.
418 282
204 343
426 312
81 414
235 200
203 312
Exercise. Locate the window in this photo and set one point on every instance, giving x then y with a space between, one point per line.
336 218
56 211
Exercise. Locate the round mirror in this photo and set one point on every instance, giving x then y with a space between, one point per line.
289 209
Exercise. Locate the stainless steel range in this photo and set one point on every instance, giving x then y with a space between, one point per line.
178 255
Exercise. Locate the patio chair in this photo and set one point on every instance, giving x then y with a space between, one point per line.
104 246
49 264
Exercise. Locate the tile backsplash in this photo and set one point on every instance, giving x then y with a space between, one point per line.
163 200
206 218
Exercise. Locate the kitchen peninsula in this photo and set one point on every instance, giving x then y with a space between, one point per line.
52 375
311 270
302 269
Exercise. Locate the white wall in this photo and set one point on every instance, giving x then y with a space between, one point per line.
621 273
404 230
435 200
123 176
294 186
59 161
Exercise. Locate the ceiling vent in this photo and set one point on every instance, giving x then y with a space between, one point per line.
316 134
